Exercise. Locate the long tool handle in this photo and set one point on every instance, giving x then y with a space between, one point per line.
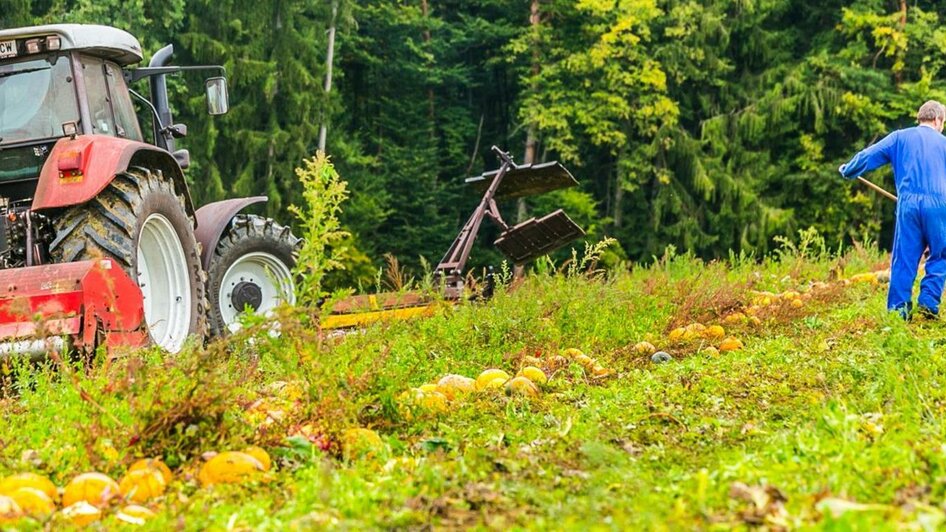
878 189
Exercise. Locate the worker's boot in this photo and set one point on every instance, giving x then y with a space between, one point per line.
924 314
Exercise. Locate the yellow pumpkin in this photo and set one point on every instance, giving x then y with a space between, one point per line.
94 488
521 386
490 375
585 361
600 371
155 464
28 480
81 513
571 352
229 467
644 348
534 374
454 385
428 387
142 485
730 344
714 331
261 455
735 318
495 384
33 501
710 351
134 514
360 442
797 303
433 401
677 334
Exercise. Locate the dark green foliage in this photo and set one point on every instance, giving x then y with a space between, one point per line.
711 126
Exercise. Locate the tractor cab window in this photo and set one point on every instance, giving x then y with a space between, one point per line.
37 96
126 121
100 106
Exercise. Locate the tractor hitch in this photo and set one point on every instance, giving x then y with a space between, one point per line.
84 302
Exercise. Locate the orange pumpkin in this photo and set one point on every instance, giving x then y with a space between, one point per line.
142 485
28 480
261 455
33 501
81 513
730 344
94 488
229 468
153 463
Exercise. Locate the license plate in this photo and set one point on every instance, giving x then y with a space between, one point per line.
7 49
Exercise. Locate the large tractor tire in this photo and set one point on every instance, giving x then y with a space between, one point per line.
251 268
141 223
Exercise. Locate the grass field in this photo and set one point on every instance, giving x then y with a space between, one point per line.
831 415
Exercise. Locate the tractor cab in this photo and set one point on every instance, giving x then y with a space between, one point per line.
60 81
66 80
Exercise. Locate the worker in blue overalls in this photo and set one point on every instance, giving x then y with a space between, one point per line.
918 156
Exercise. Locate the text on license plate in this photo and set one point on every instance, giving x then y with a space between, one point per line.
7 49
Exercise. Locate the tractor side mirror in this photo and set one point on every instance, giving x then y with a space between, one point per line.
218 99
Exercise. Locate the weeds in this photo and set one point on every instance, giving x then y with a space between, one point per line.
322 233
832 401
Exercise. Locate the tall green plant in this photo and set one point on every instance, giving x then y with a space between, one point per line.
323 193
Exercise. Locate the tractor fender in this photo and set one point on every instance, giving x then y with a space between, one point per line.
213 219
80 168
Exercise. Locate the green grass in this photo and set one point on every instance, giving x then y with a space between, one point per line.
836 400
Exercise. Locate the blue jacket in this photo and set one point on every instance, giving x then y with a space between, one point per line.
918 157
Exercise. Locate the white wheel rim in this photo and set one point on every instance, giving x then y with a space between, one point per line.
270 274
165 283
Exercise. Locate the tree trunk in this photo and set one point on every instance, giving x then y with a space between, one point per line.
329 61
529 157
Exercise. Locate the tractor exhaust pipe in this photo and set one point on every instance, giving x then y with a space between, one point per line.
159 96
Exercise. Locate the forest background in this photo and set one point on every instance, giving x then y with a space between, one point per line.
712 126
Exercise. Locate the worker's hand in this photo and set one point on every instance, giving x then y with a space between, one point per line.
841 169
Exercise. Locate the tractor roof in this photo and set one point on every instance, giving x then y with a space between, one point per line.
102 41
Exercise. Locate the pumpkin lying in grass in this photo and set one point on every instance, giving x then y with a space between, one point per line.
81 513
134 514
730 344
534 374
644 348
94 488
155 464
229 467
487 378
28 480
455 385
521 386
142 485
33 502
361 443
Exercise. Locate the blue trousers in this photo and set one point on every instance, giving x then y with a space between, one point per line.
921 223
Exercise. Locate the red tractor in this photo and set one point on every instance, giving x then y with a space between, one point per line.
100 242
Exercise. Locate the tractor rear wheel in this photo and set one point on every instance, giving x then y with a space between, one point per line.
251 268
141 223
